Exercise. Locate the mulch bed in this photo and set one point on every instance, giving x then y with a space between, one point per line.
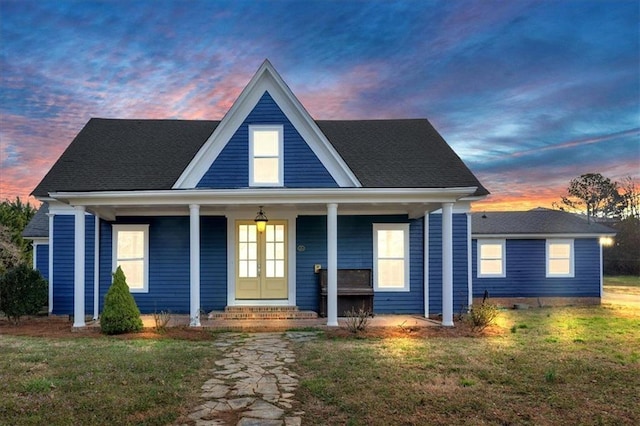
61 327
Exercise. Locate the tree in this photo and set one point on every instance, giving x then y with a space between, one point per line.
120 314
594 194
15 215
631 194
10 253
23 291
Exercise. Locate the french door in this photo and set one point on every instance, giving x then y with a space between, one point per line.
261 261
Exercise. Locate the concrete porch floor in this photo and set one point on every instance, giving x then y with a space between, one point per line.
288 324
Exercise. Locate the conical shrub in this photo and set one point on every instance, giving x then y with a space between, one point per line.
120 314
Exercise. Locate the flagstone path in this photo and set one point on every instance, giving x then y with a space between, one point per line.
252 384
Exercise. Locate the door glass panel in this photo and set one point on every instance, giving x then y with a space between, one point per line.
279 233
279 254
279 268
271 269
247 251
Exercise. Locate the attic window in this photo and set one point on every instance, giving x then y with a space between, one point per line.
265 156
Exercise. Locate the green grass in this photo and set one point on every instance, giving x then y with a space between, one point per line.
622 281
99 381
567 366
622 284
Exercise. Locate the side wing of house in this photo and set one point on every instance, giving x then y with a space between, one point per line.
536 257
553 270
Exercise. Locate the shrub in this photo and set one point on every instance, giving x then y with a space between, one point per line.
23 291
357 320
120 314
483 315
161 320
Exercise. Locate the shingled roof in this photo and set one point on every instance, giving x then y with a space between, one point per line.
128 155
38 226
538 221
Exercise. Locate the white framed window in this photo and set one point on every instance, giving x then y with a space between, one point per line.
391 257
266 166
560 258
130 251
491 259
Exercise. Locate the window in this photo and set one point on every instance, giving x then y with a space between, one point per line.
491 258
131 253
265 156
391 256
559 258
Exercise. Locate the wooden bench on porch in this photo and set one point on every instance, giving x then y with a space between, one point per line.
355 290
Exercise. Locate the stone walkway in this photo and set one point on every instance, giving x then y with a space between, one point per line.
252 384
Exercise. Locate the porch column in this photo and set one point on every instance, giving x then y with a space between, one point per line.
447 264
51 216
194 264
96 269
332 265
78 268
426 263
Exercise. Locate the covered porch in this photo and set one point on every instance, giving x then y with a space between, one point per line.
280 206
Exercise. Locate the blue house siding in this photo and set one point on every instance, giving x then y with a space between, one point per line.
63 263
42 259
213 263
355 250
169 263
302 169
460 263
526 271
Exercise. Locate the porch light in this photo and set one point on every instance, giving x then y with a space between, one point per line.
261 220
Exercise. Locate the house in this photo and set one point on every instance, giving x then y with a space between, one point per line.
537 257
177 205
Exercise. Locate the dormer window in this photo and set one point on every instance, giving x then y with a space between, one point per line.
266 155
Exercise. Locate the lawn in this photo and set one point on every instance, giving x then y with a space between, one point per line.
627 284
541 366
99 381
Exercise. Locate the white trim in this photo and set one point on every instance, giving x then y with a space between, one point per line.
601 272
274 214
257 196
426 263
469 264
51 223
79 242
266 79
96 269
503 258
447 264
114 252
404 227
332 265
35 242
540 236
272 127
551 241
194 265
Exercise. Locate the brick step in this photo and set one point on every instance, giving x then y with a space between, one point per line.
261 313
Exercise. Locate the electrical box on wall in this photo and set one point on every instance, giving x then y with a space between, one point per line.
317 267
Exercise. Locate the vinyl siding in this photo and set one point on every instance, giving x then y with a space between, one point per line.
355 250
302 169
460 263
169 263
63 263
526 271
42 259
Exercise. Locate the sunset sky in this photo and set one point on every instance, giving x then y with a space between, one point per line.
529 93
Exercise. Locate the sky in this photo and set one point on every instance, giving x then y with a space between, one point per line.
530 94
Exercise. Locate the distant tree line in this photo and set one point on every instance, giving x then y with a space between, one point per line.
617 204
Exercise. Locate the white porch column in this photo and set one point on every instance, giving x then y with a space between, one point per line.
447 264
78 274
332 265
96 268
426 263
469 264
51 216
194 264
